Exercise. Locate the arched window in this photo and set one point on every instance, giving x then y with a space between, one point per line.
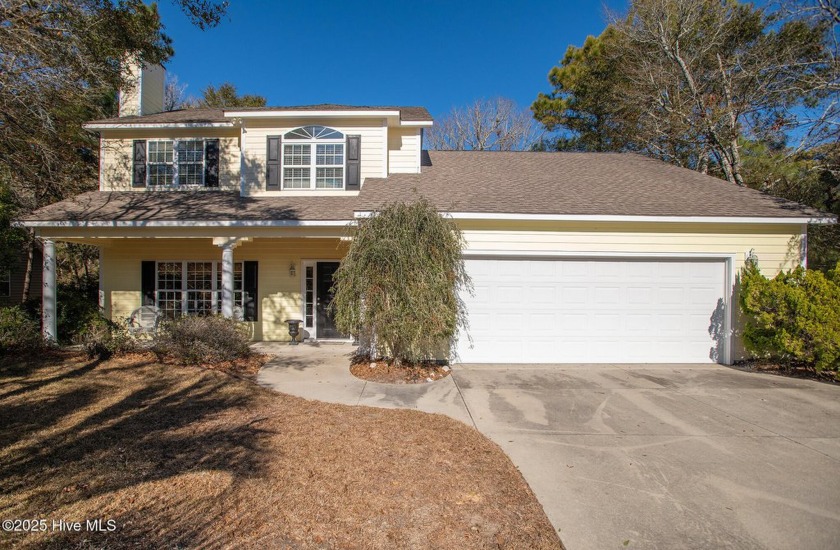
313 158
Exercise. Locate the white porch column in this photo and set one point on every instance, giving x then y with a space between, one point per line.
227 244
227 280
48 293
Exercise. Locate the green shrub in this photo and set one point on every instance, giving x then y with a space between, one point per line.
77 308
794 317
194 340
102 338
19 331
397 289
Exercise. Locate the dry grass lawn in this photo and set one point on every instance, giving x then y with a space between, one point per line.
184 457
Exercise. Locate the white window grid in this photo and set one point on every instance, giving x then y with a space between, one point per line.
324 169
5 283
175 162
194 287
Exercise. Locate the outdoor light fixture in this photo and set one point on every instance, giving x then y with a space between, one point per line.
292 269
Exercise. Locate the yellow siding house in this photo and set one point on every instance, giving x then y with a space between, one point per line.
574 257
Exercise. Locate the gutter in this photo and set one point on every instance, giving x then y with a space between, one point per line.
821 220
190 223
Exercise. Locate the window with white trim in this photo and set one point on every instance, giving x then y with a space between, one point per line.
194 288
313 158
5 283
174 162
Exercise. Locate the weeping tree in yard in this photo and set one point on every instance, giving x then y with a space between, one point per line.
397 288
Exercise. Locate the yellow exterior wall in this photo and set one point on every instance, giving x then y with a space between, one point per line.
776 246
403 150
115 155
279 295
255 132
384 150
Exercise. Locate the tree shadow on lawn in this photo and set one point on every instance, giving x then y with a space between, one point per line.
187 457
67 439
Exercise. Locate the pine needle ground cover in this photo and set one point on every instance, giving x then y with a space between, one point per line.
185 457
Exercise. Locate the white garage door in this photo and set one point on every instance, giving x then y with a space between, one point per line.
594 311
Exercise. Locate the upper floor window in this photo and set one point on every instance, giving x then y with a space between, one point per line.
313 158
176 163
180 161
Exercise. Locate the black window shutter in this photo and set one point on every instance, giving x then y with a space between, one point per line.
139 163
211 163
273 157
250 276
354 154
147 283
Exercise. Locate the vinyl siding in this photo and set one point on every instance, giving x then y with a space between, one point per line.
776 246
279 295
254 146
403 150
115 155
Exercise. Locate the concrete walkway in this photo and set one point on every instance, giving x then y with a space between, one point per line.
321 372
633 456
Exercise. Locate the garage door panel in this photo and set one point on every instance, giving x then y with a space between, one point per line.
560 310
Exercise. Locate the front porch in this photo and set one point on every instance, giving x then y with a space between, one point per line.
261 280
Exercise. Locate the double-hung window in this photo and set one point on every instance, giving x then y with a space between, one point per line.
179 162
313 158
194 288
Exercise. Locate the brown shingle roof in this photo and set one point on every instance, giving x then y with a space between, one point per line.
192 206
618 184
467 181
199 116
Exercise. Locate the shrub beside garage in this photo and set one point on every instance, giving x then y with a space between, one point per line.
793 318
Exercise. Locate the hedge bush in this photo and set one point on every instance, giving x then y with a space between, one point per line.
793 318
194 340
102 338
19 331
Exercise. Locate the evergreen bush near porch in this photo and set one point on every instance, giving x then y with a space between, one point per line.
397 287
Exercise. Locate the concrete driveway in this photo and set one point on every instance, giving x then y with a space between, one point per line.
668 456
633 456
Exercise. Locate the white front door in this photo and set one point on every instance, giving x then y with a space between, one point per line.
595 311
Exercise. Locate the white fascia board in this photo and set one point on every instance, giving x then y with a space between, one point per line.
177 223
305 114
423 123
157 126
603 218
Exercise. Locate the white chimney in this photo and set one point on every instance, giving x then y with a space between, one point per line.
142 93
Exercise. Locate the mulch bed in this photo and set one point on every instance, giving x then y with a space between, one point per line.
187 457
387 372
793 371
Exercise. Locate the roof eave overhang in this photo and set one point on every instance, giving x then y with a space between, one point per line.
156 126
372 113
183 223
639 219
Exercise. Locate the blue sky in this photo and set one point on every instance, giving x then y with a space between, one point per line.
431 53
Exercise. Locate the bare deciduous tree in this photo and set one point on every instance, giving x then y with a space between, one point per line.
818 123
175 94
484 125
717 71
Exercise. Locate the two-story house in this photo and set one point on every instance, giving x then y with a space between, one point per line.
574 257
